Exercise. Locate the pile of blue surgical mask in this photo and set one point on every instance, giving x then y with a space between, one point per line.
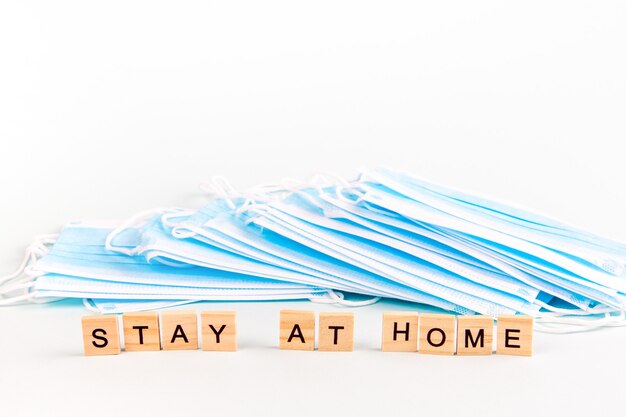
386 234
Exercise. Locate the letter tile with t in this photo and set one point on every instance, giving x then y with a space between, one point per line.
141 331
336 332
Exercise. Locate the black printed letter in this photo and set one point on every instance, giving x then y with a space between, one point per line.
105 341
508 337
217 332
469 339
141 329
179 332
396 332
443 337
336 330
296 332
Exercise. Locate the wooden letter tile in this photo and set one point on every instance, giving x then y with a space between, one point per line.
400 331
141 331
437 334
101 335
219 330
297 330
180 330
336 332
515 335
474 335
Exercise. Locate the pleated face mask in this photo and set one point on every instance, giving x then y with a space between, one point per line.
550 261
415 266
579 253
240 235
606 254
390 224
387 234
592 287
155 244
79 266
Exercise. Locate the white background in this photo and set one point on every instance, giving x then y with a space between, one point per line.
109 108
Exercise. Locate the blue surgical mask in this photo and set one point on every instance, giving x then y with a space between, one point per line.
504 212
385 235
589 273
417 211
240 235
79 266
388 261
565 241
402 228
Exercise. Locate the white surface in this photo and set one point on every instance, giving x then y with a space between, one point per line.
110 108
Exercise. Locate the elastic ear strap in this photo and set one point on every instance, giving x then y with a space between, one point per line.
19 285
183 232
17 299
340 192
324 178
37 249
89 305
292 186
136 220
557 312
263 193
220 187
26 260
165 218
336 297
563 324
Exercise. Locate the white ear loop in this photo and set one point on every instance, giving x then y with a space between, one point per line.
555 311
288 186
341 193
324 178
20 285
89 305
220 187
327 179
336 297
29 296
259 210
297 187
185 231
135 221
564 324
33 252
15 282
165 218
179 231
256 196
